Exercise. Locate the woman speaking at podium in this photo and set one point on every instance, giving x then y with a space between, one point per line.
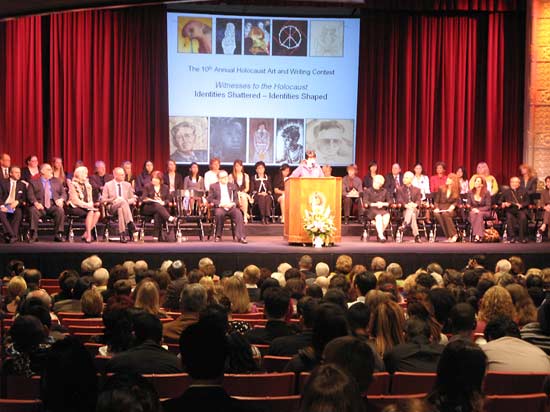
308 167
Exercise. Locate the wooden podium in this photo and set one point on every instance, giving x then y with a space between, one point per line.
299 192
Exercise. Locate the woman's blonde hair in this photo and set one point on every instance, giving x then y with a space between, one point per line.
92 303
235 290
148 297
16 288
496 302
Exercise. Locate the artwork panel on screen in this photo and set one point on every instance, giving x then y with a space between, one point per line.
189 139
229 36
331 139
228 138
253 80
194 34
260 140
290 141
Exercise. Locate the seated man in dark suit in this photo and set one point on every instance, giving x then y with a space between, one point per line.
222 196
146 356
46 198
203 350
417 354
516 201
13 194
98 179
276 301
394 180
290 345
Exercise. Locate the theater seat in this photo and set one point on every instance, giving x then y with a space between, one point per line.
101 362
93 322
376 403
275 363
266 384
20 405
535 402
404 383
247 316
380 384
21 387
502 383
169 385
272 403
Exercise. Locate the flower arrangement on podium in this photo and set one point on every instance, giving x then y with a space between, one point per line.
319 225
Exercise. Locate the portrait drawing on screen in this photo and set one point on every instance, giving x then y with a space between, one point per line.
290 138
188 139
228 36
331 139
228 138
194 35
257 36
327 38
260 140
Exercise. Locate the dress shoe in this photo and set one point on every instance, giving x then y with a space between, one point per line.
33 237
346 221
217 239
523 240
243 241
267 221
512 240
59 238
417 239
123 239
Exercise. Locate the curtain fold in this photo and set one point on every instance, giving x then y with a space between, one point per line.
441 87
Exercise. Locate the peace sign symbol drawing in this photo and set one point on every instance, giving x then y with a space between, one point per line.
290 37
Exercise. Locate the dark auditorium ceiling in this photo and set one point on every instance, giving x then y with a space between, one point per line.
14 8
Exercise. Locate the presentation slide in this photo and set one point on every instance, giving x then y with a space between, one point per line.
262 88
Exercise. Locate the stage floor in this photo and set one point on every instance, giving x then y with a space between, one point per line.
268 251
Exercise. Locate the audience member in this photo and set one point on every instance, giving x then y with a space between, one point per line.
192 301
128 392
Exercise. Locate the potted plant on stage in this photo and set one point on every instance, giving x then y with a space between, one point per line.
318 221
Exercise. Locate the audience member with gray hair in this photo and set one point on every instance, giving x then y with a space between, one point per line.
193 299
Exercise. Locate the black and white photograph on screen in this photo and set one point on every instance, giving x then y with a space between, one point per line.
260 140
257 38
289 38
194 34
228 138
290 141
332 140
188 139
327 38
228 36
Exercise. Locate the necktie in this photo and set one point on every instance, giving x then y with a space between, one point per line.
119 190
6 172
397 181
47 194
11 197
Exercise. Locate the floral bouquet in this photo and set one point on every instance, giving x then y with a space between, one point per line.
319 224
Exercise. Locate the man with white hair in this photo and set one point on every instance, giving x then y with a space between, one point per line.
90 264
46 197
205 261
99 179
322 269
118 196
223 197
503 266
409 197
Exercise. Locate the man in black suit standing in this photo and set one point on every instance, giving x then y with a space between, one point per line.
394 180
46 198
203 349
13 194
222 196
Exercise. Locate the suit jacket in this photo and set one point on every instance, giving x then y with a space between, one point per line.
255 185
110 192
442 201
290 345
403 198
76 196
171 331
141 181
214 193
178 181
147 358
98 184
205 398
389 182
516 196
20 191
273 329
35 191
149 192
419 357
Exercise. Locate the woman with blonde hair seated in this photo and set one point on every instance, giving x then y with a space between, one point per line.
482 169
234 289
148 298
15 291
81 202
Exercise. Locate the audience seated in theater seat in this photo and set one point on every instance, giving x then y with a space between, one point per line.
506 352
69 379
538 333
358 319
277 302
117 319
251 277
128 392
203 351
35 307
330 323
462 323
290 345
146 356
329 388
363 283
460 374
417 354
73 304
192 301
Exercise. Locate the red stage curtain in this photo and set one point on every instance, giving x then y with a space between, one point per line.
441 87
108 86
21 105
